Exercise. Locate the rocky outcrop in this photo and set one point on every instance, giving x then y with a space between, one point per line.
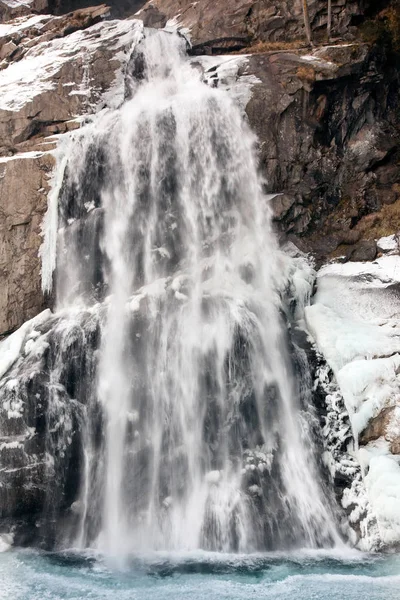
329 139
217 26
24 186
57 77
41 422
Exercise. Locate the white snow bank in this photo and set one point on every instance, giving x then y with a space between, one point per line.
381 273
370 385
383 487
355 321
10 348
35 72
342 339
18 25
21 155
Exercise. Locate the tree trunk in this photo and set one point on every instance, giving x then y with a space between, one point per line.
307 21
329 24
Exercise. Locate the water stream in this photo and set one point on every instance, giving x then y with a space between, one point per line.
181 413
204 442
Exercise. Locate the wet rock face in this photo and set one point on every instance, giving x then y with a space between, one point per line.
50 412
41 419
328 137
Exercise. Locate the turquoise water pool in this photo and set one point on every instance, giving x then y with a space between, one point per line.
29 575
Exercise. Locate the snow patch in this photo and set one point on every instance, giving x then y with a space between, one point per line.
18 25
21 155
389 244
223 71
383 486
11 347
35 73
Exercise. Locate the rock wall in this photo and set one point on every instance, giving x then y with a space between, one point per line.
24 185
59 69
329 141
218 26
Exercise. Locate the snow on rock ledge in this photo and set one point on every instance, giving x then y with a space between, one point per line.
57 80
355 321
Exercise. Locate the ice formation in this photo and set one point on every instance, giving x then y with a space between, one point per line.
354 319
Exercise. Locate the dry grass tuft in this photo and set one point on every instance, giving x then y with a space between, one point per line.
261 47
382 223
306 73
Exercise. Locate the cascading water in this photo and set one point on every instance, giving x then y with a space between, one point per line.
193 434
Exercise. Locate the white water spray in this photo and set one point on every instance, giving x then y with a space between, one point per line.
204 442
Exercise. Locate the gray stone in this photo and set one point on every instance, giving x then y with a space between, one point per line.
7 49
363 251
281 204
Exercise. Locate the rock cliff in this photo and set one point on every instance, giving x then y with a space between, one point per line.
326 117
59 70
328 127
217 27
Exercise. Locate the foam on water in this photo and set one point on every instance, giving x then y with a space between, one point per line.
32 576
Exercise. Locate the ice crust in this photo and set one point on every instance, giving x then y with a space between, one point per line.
354 319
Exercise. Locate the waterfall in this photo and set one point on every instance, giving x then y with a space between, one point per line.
193 429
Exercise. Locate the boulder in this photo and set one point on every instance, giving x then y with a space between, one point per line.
281 205
378 426
385 425
363 251
7 49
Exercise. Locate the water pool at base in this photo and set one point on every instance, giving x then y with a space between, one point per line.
30 575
